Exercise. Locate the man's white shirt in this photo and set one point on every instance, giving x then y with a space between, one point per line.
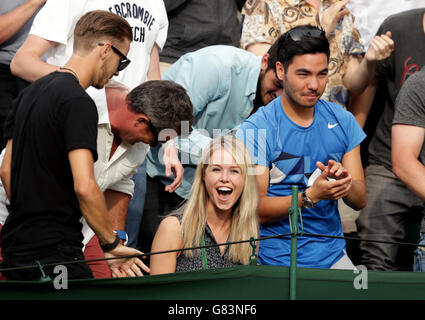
114 173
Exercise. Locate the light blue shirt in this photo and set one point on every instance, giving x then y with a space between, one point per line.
221 82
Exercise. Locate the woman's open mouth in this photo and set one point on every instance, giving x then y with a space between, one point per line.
224 193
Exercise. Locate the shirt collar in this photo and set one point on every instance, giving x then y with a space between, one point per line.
99 98
103 113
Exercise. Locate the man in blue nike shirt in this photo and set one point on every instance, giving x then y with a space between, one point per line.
299 139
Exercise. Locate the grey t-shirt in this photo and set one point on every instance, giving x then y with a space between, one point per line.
408 57
410 109
410 104
9 47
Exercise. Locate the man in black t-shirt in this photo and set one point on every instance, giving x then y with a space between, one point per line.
391 207
47 169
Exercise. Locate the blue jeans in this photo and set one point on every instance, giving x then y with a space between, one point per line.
419 256
135 208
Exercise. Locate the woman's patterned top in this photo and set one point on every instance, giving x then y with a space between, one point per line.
214 257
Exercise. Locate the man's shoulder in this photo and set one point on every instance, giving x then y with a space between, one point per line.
66 94
219 54
416 79
332 108
56 85
265 116
411 93
332 115
68 87
264 123
219 61
397 20
405 14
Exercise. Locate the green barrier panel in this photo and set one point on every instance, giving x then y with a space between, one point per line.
248 282
293 219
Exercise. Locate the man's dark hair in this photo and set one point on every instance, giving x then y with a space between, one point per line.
165 102
305 39
271 62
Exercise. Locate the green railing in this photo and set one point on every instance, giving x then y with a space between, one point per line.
240 282
293 219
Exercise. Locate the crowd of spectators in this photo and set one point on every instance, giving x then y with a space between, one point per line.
197 133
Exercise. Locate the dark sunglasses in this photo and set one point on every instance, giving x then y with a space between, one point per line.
124 61
299 34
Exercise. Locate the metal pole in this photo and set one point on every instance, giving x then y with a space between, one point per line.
293 216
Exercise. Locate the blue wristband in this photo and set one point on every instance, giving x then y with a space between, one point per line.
123 235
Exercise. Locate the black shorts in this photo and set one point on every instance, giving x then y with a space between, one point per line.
59 255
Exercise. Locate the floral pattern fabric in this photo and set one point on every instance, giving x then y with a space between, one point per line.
265 20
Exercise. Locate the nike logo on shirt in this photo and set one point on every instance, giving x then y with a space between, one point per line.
331 126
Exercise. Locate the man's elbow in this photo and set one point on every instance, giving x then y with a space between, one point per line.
86 189
356 88
15 65
361 203
358 204
357 198
23 63
397 168
4 174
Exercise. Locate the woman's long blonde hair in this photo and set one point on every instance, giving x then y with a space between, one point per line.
244 224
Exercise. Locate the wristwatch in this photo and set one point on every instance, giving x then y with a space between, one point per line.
306 201
111 246
123 235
